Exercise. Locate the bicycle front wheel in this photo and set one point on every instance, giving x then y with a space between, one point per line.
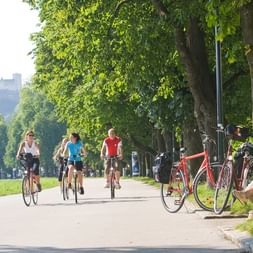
223 187
65 190
173 193
26 190
76 189
35 194
112 187
204 187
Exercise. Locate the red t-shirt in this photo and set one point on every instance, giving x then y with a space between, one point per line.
112 146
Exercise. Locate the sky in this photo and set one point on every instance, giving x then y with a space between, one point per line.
17 22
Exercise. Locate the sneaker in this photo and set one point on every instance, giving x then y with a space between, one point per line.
81 190
117 185
107 185
69 186
241 196
39 187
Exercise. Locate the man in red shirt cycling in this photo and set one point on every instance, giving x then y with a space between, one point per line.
112 147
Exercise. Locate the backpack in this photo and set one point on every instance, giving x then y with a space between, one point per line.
162 167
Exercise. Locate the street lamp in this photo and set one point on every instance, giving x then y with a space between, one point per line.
219 100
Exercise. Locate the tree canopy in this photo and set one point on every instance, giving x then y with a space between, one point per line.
145 67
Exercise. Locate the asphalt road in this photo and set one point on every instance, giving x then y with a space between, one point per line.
134 222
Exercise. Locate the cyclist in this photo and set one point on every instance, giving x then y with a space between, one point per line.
58 157
29 146
75 149
112 147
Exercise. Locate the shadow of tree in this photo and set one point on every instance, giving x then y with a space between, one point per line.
13 249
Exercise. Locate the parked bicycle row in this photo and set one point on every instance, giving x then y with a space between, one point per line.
70 156
215 186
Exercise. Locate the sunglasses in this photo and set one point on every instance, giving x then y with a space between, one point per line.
30 135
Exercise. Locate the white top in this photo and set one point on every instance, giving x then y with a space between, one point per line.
33 149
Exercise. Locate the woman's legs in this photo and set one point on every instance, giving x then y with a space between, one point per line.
70 173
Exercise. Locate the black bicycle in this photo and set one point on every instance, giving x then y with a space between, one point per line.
29 184
65 187
64 182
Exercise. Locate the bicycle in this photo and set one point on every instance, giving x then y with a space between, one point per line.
174 193
64 182
228 177
76 184
113 163
29 185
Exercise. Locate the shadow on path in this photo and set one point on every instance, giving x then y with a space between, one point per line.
90 201
11 249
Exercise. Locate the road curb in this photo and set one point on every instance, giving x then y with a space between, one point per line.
241 239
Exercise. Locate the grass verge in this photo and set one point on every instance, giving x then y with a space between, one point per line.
13 186
246 226
147 180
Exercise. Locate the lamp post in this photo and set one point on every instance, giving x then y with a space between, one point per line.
219 100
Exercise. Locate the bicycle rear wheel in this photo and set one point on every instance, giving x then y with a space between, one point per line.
76 188
35 194
173 194
204 187
223 187
26 190
112 186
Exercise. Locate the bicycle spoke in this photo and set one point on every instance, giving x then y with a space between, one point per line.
172 194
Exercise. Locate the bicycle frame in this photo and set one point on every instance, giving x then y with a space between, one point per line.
204 165
239 183
29 173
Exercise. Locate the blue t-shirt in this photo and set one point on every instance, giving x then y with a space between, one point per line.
74 150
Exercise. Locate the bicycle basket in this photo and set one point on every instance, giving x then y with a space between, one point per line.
162 167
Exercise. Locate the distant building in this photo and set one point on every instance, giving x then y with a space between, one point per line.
9 95
13 84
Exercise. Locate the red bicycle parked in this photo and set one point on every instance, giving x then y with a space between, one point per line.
228 176
174 193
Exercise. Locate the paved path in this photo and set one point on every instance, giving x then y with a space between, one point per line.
134 222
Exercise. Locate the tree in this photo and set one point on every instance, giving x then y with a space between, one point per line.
128 64
34 112
3 142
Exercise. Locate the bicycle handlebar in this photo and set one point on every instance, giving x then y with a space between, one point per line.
111 157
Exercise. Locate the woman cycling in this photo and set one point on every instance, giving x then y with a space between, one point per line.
30 147
58 157
75 149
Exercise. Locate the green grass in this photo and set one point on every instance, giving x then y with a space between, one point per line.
246 226
13 186
238 208
147 180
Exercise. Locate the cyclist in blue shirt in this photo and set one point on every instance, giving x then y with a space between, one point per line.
75 149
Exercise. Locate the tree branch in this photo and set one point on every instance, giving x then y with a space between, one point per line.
228 83
140 146
162 10
116 13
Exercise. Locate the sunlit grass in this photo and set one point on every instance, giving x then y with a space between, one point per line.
13 186
246 226
147 180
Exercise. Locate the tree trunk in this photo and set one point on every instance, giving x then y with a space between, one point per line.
193 144
247 32
167 136
160 141
192 50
